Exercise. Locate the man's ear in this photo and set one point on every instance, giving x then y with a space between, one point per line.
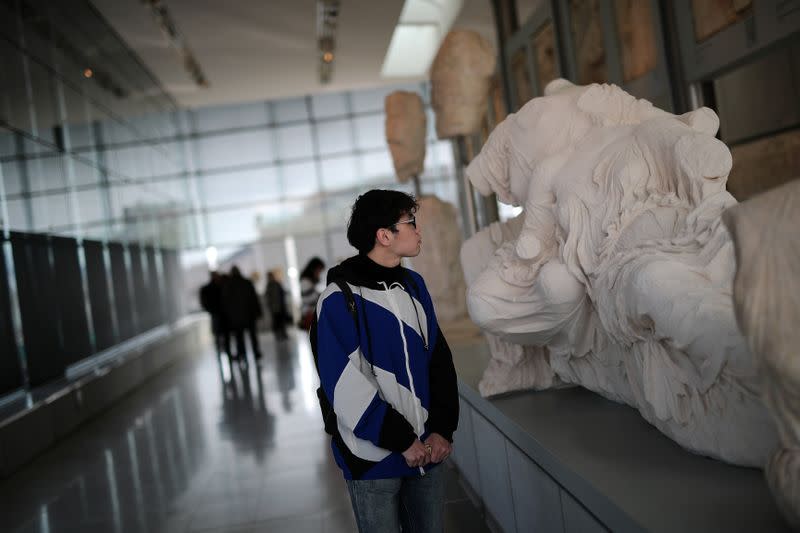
382 237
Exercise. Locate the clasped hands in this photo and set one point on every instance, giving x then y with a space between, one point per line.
435 449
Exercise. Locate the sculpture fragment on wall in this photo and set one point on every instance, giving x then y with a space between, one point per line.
438 262
460 78
622 268
766 293
406 126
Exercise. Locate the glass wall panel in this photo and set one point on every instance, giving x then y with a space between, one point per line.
335 137
90 205
238 225
86 173
20 217
290 110
370 131
172 161
370 100
294 141
230 116
233 149
339 173
241 187
329 105
377 168
46 173
50 212
133 162
14 175
300 179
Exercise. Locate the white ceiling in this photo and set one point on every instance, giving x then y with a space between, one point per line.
266 49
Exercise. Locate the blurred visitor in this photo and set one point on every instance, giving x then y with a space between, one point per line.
211 302
275 298
241 309
309 294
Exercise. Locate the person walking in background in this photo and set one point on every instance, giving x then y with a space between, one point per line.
211 302
386 372
309 279
275 297
241 308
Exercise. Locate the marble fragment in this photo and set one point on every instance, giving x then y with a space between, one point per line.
766 293
622 268
406 126
460 79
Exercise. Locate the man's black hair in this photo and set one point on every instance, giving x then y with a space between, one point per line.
374 210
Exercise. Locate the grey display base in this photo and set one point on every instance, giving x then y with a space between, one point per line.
570 460
49 414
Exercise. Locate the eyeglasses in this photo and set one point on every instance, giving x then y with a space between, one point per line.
412 221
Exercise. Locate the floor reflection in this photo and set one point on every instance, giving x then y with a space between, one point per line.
205 446
246 421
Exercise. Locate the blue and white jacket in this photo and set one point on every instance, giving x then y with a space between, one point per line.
390 378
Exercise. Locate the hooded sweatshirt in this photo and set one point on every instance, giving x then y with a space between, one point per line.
390 376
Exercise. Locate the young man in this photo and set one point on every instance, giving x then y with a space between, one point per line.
386 369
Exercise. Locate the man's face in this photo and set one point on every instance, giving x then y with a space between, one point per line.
407 238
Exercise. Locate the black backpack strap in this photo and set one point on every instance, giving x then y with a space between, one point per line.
328 415
348 298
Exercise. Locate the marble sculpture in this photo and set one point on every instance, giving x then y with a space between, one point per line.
406 126
765 294
619 273
460 78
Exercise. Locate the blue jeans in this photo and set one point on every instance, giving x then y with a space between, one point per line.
413 503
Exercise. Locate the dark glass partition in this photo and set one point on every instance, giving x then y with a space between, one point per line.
155 300
10 375
139 288
38 296
172 284
122 294
75 343
99 297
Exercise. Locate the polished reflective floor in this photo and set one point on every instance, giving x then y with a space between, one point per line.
205 446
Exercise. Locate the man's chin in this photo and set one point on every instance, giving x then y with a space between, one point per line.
416 252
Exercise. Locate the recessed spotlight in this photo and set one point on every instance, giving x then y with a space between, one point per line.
88 73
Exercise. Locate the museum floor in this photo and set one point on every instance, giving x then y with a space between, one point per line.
201 447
